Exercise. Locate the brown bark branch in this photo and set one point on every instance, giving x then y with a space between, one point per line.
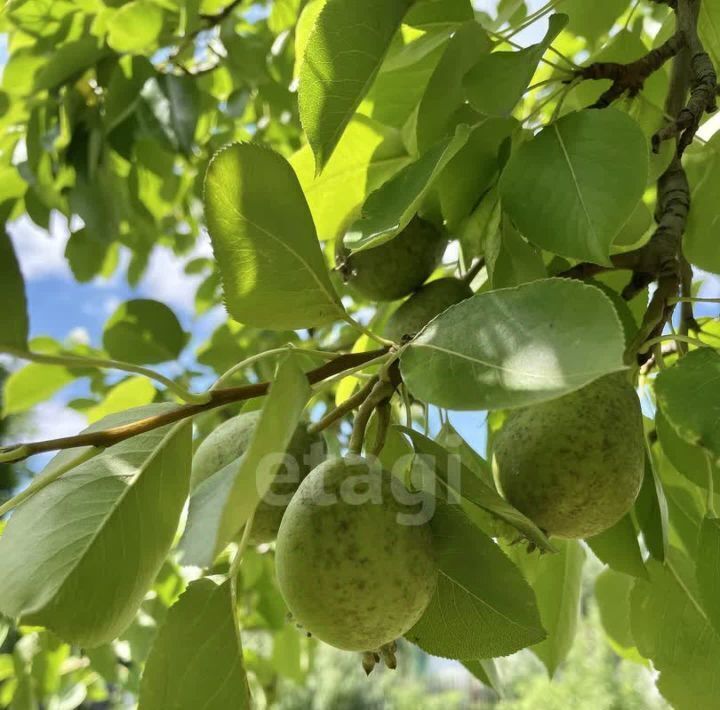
703 82
630 78
218 398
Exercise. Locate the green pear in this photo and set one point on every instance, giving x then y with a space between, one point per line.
353 569
430 301
231 439
396 268
574 465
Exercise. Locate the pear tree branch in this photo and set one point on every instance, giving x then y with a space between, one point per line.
215 398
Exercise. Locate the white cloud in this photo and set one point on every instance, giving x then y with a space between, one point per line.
41 254
165 278
49 420
79 335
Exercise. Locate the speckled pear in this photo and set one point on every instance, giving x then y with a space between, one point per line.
431 300
396 268
351 569
574 465
230 440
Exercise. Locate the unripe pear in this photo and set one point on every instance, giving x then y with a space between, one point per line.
354 565
231 439
430 301
574 465
396 268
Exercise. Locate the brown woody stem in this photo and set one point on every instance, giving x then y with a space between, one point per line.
630 78
217 398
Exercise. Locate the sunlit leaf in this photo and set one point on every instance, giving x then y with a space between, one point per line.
264 239
80 554
222 504
343 55
497 82
514 347
563 190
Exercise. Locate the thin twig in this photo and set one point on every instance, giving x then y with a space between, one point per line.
630 78
342 409
473 271
244 540
217 398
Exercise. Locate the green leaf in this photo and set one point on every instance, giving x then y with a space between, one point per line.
482 606
594 20
366 156
31 385
264 239
698 244
510 260
671 628
449 438
66 61
686 505
132 392
463 481
135 27
344 53
651 512
618 547
688 393
691 461
444 93
201 636
287 653
612 594
515 347
431 14
14 323
471 172
184 100
557 582
79 556
303 30
487 673
389 209
223 503
709 30
708 569
498 81
143 331
403 79
563 188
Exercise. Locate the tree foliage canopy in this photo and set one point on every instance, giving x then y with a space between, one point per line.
557 156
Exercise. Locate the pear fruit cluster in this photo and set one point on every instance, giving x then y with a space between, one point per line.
230 440
396 268
352 566
574 465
